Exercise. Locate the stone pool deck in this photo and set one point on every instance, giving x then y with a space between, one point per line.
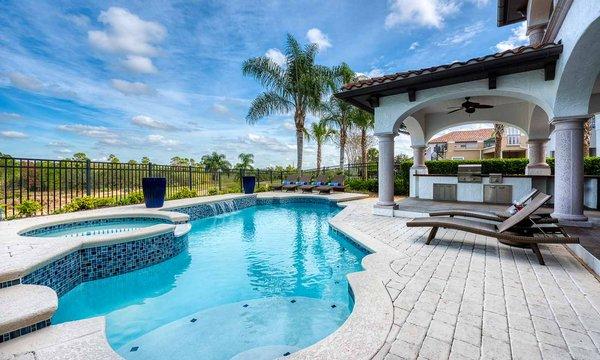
463 297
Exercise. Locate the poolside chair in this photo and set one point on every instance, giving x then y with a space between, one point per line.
320 180
540 216
290 179
304 180
336 184
511 231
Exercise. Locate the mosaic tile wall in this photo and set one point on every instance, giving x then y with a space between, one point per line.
88 222
95 263
24 331
201 211
294 200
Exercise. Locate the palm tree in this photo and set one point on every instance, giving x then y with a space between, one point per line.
498 133
215 162
337 112
587 137
297 86
363 121
320 132
246 161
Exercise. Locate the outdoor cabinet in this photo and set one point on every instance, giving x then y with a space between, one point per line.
497 194
444 192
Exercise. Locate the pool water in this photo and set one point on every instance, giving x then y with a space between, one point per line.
254 284
108 227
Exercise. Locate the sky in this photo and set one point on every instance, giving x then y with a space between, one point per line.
163 78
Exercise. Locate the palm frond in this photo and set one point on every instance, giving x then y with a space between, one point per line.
268 73
268 103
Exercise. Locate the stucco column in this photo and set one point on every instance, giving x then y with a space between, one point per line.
536 153
568 168
386 170
419 166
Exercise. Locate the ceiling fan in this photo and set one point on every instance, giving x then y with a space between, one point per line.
469 106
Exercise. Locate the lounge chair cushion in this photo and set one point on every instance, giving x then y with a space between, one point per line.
453 223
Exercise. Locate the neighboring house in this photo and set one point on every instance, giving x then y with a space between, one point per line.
476 144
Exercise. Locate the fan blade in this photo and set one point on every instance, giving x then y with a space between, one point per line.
453 111
482 106
454 107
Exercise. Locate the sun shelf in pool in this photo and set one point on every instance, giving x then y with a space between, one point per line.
95 227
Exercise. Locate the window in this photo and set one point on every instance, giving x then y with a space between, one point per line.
513 136
466 145
458 158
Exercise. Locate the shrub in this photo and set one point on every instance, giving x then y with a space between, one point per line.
262 188
135 197
213 191
28 208
369 185
184 194
504 166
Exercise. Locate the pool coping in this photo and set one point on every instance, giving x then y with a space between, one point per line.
361 335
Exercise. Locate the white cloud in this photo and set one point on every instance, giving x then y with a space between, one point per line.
10 116
79 20
266 142
25 82
13 134
464 35
276 56
150 123
132 88
160 140
316 36
518 38
57 144
221 109
139 64
127 33
97 132
413 46
289 125
428 13
375 72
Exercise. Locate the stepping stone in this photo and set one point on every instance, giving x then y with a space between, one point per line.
25 305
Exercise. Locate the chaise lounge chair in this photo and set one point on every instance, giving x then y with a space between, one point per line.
336 184
290 179
304 180
540 216
320 180
511 231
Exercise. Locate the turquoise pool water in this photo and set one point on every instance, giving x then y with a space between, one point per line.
253 284
115 226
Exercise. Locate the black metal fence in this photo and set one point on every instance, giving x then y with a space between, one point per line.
55 183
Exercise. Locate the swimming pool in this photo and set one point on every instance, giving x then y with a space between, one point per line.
257 283
94 227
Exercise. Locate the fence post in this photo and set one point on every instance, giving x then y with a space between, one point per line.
271 177
257 178
190 177
219 176
88 178
241 180
149 169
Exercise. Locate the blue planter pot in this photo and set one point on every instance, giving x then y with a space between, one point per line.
248 182
154 191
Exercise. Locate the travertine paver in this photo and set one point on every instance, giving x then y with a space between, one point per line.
467 296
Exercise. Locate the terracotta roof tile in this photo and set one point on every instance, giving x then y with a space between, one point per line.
464 135
412 73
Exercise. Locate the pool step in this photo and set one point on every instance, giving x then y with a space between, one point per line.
24 309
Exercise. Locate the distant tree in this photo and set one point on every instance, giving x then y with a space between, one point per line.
401 158
373 155
145 160
132 162
112 158
215 162
297 86
246 161
320 132
5 156
80 157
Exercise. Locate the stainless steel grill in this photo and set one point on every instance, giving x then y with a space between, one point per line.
469 173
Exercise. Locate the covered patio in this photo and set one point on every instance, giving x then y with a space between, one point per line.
548 87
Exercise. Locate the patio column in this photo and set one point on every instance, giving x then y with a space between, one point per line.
568 168
536 154
386 170
419 166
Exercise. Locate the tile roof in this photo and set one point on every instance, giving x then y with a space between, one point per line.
436 69
464 135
